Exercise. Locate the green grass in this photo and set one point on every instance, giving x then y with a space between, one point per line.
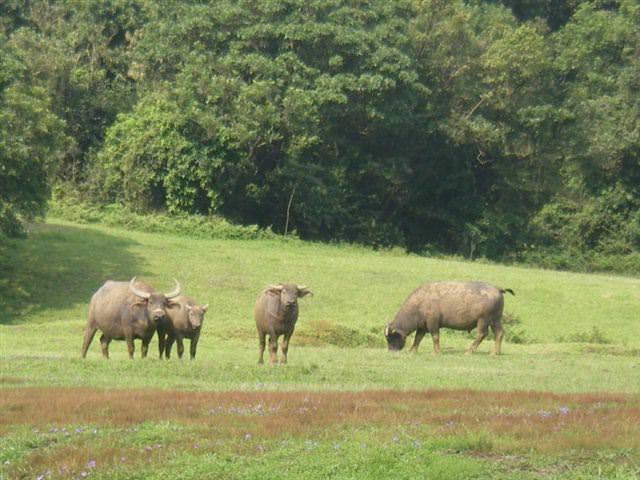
364 453
338 343
577 333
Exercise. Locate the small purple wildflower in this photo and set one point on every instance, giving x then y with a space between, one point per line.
563 410
91 464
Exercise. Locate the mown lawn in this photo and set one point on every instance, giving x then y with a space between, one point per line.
560 403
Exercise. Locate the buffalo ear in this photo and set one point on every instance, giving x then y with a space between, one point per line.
205 307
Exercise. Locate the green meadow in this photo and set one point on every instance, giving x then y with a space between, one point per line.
563 401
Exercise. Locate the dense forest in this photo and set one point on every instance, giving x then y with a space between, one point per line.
508 130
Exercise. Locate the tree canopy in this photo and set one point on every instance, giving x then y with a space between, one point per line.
507 129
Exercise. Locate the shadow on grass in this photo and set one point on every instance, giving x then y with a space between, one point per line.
58 266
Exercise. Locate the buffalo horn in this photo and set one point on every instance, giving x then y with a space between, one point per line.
137 291
175 292
275 287
305 290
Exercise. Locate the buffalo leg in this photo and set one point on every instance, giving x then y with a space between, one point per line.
285 347
89 333
483 329
161 341
262 343
168 345
194 345
130 346
498 332
273 349
416 341
145 347
435 337
179 346
104 345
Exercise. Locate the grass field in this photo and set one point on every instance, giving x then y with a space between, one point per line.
562 402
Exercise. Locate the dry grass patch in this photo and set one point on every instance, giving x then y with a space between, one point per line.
595 419
140 427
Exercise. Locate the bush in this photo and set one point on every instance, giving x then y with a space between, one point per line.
589 232
595 335
153 158
194 226
580 261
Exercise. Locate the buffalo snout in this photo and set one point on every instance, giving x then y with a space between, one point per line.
395 341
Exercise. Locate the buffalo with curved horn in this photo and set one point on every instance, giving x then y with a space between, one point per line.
126 311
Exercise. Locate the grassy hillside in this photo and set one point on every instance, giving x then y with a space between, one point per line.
51 278
559 319
562 402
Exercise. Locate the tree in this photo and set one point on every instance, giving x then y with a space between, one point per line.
598 207
78 52
31 144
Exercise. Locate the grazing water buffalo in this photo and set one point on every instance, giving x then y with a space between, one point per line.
276 313
183 320
125 311
457 305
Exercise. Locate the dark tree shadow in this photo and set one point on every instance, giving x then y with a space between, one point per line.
57 266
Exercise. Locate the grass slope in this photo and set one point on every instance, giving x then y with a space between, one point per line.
61 417
338 343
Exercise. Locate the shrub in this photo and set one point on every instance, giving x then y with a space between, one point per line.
68 207
595 335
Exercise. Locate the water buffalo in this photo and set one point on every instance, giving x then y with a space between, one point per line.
183 320
125 311
276 313
456 305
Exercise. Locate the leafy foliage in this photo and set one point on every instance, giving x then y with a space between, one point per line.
480 128
31 143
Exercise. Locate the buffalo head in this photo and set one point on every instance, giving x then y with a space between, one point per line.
395 339
289 293
155 302
196 314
